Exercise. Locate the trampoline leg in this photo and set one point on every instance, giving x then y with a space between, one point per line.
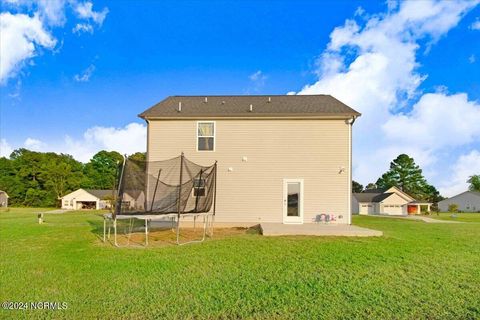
205 222
115 232
104 228
130 230
178 230
146 232
211 226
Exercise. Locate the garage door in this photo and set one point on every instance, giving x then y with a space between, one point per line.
392 209
366 208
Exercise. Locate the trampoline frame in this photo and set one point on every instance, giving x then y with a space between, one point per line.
110 220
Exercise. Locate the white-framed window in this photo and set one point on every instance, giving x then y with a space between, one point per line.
206 136
65 202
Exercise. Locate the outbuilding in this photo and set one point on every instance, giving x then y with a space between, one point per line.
94 199
3 199
468 201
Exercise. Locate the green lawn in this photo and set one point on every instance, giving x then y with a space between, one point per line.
463 217
416 271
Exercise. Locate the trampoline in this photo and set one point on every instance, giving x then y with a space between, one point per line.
169 190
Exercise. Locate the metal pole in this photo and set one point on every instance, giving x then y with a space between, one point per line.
120 191
115 232
155 191
215 190
146 232
104 228
214 199
179 196
198 187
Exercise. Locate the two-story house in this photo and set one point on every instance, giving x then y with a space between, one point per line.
284 159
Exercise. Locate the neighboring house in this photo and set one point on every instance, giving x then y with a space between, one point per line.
3 199
391 201
284 159
468 201
92 199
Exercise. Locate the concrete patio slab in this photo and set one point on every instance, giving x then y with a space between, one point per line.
314 229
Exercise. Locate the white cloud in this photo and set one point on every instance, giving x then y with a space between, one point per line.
432 112
466 166
372 66
85 11
472 58
257 79
34 144
82 27
126 140
5 148
52 12
29 27
22 36
475 25
85 75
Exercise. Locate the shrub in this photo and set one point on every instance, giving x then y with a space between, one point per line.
453 207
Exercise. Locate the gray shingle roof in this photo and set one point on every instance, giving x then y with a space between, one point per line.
371 197
365 196
239 106
101 194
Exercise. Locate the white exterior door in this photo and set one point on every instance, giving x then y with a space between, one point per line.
292 200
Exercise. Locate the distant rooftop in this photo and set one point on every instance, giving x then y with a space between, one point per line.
250 106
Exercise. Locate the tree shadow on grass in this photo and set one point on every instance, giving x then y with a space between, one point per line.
96 228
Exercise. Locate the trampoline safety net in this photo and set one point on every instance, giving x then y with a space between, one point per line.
161 187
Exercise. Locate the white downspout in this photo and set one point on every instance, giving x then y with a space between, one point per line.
349 198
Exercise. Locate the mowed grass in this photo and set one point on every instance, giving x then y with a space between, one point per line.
416 271
462 217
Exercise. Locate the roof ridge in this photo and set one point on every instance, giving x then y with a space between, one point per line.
251 95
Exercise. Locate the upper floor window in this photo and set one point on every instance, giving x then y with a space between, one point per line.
206 136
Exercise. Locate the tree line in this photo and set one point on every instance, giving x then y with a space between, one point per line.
406 175
39 179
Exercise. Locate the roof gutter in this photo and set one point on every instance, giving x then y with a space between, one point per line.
268 117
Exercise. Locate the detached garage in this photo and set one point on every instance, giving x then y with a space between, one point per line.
87 199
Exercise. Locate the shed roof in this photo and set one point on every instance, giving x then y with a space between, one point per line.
366 196
239 106
101 194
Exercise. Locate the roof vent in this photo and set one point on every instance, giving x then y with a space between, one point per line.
206 99
251 108
269 99
179 106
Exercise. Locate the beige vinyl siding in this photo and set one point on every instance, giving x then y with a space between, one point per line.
313 150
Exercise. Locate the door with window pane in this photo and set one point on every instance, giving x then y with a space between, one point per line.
293 201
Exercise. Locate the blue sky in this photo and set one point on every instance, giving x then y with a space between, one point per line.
95 65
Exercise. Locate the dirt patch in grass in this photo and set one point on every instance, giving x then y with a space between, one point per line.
168 237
